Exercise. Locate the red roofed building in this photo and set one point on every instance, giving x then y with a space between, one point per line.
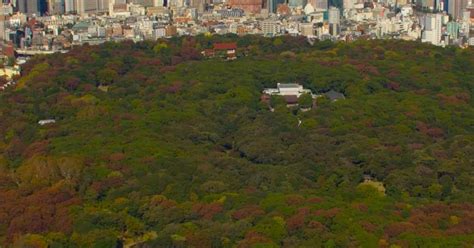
225 49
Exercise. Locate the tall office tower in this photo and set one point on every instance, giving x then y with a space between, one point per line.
69 6
334 20
439 5
31 7
432 24
79 6
452 29
85 6
466 23
91 6
56 7
102 5
445 4
21 5
43 5
455 8
51 6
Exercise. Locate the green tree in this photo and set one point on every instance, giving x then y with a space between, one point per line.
106 76
305 100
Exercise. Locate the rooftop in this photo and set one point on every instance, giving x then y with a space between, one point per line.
334 95
288 85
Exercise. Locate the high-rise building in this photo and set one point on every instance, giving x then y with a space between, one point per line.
334 20
91 6
455 8
56 7
69 6
103 5
334 15
21 6
466 23
432 25
31 7
452 29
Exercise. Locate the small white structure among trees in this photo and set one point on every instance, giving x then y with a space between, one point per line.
45 122
293 95
287 90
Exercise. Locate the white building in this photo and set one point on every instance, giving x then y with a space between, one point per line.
466 23
270 28
432 25
69 6
287 90
159 33
471 41
47 121
306 29
334 19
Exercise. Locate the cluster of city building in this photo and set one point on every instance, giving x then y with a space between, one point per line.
29 27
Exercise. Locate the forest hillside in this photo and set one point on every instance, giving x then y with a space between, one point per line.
155 145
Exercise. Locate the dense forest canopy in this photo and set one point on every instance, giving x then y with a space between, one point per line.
157 146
